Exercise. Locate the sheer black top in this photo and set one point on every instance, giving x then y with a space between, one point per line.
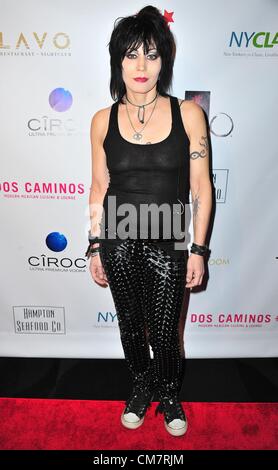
144 174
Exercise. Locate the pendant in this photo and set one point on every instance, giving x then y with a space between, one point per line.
177 211
137 136
140 109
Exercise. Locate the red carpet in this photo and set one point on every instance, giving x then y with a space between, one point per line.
36 424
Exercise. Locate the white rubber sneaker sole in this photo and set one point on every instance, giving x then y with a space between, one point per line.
176 431
131 424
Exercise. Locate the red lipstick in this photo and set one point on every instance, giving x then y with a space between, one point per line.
141 79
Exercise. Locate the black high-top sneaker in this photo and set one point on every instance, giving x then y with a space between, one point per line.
136 407
175 420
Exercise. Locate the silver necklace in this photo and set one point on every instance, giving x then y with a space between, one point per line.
138 134
141 108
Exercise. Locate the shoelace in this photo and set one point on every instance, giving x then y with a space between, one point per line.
172 409
138 403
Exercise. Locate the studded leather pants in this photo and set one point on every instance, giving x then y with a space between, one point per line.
147 285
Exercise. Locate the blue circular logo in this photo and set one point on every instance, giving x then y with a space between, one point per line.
56 241
60 99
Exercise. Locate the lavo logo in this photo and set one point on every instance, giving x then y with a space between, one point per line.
261 39
60 41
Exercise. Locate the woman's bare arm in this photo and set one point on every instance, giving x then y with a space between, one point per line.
100 183
200 185
100 173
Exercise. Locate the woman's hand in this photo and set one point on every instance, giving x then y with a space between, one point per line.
195 270
97 271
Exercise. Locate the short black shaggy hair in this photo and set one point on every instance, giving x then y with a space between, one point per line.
147 26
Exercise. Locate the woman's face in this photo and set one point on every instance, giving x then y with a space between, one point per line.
135 64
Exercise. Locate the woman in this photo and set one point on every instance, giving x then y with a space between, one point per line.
137 161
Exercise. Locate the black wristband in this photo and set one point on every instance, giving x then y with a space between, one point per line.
199 249
91 250
95 250
92 238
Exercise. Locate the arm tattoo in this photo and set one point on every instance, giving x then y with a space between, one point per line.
195 205
203 153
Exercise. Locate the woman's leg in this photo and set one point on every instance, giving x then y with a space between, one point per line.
122 267
165 286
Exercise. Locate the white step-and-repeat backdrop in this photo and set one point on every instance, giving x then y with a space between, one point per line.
54 76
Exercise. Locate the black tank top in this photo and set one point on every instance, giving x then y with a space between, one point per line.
145 174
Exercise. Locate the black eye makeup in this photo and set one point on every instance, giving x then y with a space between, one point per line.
154 55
